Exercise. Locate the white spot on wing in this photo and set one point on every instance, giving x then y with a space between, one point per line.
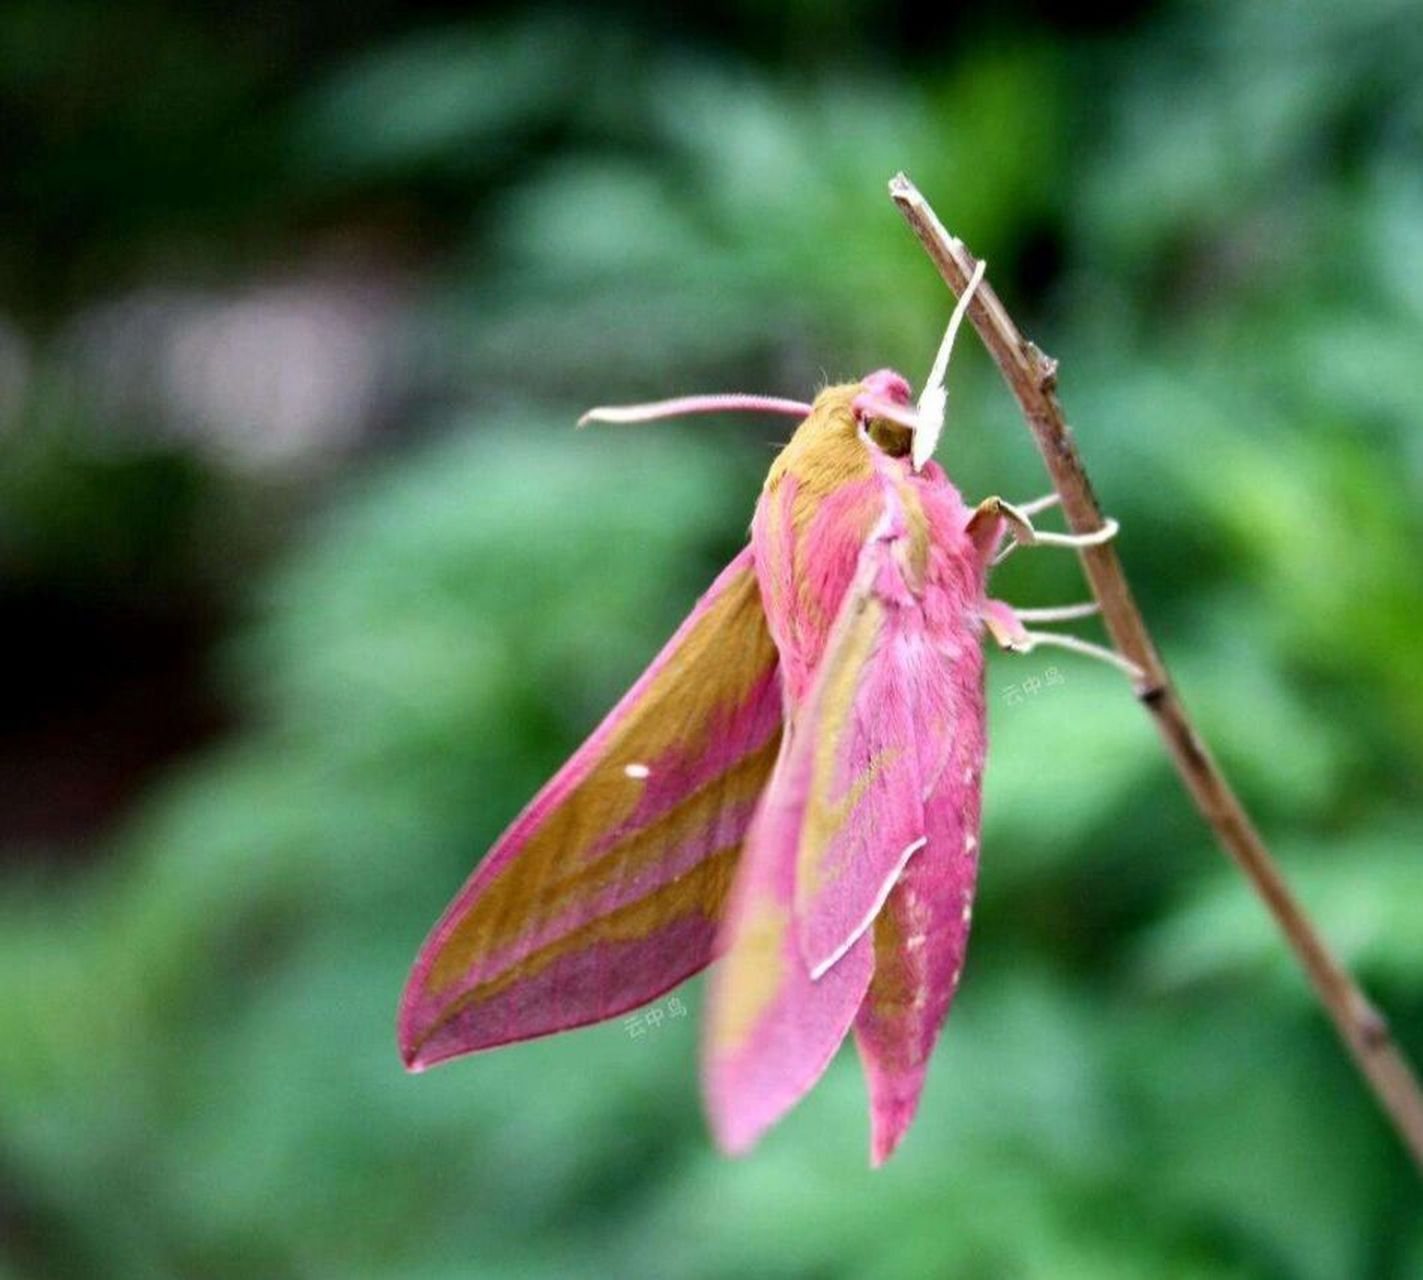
637 770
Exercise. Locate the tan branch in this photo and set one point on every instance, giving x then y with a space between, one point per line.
1032 377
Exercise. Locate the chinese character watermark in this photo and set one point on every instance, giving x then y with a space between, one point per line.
1032 686
638 1024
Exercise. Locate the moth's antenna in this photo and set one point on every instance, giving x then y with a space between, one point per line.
934 399
684 406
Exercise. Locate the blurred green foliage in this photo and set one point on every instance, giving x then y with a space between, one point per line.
1211 215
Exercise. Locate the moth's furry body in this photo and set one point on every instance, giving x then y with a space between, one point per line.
920 693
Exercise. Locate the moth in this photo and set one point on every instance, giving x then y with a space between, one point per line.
793 787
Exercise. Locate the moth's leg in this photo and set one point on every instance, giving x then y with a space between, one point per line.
992 519
1024 534
1005 625
1040 504
995 509
986 527
1055 639
1060 612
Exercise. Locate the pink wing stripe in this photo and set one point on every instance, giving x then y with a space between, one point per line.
771 1029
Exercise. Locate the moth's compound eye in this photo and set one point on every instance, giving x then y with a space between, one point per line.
891 437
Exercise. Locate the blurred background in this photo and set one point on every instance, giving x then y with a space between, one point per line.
308 583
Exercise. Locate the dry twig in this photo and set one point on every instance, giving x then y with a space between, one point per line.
1032 377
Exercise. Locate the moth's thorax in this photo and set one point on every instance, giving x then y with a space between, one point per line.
824 496
826 450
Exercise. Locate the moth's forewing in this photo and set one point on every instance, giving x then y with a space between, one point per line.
609 888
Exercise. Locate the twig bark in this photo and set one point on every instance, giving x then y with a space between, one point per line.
1032 377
